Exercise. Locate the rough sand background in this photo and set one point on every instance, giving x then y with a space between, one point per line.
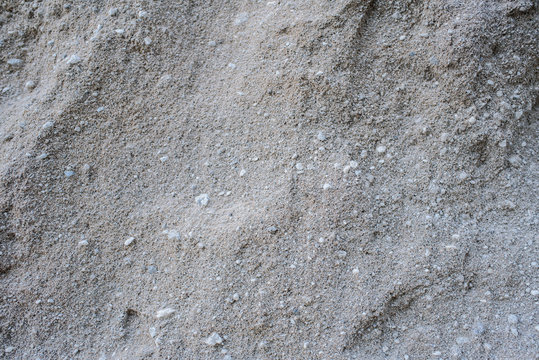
351 179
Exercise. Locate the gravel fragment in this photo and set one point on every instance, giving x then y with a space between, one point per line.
165 313
202 199
214 339
74 59
129 241
14 62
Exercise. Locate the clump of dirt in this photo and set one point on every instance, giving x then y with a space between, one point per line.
268 179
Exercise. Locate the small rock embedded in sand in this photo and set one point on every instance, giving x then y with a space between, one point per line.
9 349
243 172
113 12
69 173
83 243
214 339
326 186
74 59
202 199
152 332
172 234
14 62
165 313
355 271
512 319
321 136
129 241
147 41
42 156
48 125
381 149
30 85
272 230
241 18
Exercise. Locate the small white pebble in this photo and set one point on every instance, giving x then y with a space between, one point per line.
512 319
472 120
14 62
214 339
147 41
48 125
74 59
30 85
355 271
381 149
69 173
243 172
173 235
321 136
83 243
202 199
326 186
165 313
129 241
9 349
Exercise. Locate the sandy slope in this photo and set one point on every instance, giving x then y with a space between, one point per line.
350 179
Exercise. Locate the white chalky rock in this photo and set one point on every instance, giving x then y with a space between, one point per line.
165 313
243 172
202 199
381 149
241 18
9 349
173 235
214 339
48 125
147 41
83 243
74 59
30 85
326 186
14 62
512 319
321 136
129 241
69 173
